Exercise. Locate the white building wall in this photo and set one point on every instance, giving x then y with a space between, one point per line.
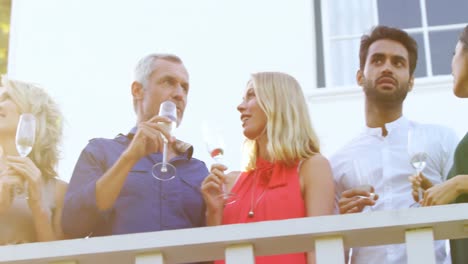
84 51
338 115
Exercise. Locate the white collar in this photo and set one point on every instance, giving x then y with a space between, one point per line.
377 131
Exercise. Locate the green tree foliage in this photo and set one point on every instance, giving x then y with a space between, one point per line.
5 11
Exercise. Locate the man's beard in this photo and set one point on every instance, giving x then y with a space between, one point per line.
395 98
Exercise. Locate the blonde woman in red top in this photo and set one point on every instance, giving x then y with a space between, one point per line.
286 176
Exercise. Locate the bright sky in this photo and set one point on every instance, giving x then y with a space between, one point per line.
84 51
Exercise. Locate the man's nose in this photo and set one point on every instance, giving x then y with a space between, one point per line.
178 93
387 67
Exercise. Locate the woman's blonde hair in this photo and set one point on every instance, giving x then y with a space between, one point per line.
289 130
30 98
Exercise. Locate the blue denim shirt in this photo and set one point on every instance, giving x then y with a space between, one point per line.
144 204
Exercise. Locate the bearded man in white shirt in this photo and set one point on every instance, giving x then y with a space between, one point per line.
378 158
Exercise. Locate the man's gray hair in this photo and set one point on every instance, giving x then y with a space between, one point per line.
146 66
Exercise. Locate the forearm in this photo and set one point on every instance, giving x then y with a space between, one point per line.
311 257
43 227
214 217
461 184
108 187
5 198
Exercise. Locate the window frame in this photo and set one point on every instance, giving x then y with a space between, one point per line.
326 40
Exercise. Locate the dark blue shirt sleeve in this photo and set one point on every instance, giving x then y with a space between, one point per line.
81 216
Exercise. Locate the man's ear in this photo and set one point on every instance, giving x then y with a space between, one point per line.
137 91
360 78
411 84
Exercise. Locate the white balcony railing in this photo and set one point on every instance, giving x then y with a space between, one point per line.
239 243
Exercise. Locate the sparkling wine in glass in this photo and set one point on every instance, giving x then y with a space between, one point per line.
25 137
165 171
215 147
417 137
25 134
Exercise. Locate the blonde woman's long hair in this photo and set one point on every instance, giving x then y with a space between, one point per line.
30 98
289 130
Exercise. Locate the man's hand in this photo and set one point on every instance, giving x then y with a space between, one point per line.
354 200
419 182
149 138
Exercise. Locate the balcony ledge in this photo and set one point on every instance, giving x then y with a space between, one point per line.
270 237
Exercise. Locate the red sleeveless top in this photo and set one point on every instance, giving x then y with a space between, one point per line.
271 191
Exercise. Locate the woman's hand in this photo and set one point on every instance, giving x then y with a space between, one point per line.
25 168
212 187
46 224
7 187
446 192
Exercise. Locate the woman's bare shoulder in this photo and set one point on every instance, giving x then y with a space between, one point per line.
317 160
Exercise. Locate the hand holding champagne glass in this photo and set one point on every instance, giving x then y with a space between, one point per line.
165 171
25 137
215 147
365 178
417 152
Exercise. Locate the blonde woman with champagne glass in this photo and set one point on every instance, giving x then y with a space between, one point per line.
286 176
31 195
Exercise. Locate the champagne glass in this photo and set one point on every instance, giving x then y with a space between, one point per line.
215 147
25 137
25 134
364 176
165 171
417 138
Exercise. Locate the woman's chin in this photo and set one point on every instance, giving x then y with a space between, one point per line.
461 90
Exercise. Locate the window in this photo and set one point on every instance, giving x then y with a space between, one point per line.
5 11
434 24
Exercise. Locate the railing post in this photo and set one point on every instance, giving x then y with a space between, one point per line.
420 246
329 250
150 258
241 253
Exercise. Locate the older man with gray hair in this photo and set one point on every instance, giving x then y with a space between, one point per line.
113 189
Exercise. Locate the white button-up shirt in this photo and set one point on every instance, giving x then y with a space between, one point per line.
384 162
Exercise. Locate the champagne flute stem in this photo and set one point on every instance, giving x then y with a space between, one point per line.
420 190
164 161
219 159
223 189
